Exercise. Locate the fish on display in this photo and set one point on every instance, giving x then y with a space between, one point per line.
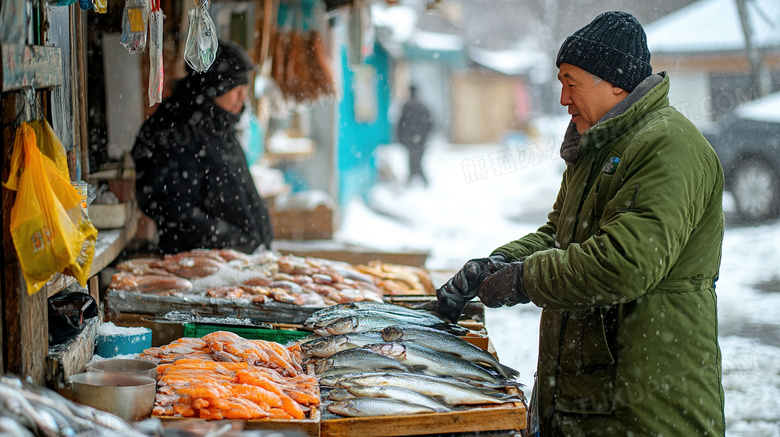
360 359
449 392
333 376
324 347
443 342
363 407
439 363
372 322
312 323
399 393
381 307
45 412
340 394
319 320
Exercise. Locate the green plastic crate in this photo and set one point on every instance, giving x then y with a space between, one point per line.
282 336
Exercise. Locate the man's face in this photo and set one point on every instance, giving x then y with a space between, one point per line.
233 100
586 100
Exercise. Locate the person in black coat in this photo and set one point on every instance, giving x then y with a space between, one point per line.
413 128
192 177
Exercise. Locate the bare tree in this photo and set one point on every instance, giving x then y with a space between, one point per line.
754 54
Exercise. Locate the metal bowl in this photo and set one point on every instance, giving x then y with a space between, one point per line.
128 396
125 365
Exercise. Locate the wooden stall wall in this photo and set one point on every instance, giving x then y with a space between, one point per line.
32 85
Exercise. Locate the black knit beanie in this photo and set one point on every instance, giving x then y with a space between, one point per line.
229 70
613 47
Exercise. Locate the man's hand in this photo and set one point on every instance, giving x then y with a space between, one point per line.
463 287
504 287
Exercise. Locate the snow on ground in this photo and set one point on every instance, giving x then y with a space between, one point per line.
482 196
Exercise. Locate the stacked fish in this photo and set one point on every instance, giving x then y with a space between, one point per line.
29 410
224 376
266 276
384 359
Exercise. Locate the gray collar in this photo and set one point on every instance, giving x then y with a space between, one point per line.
643 88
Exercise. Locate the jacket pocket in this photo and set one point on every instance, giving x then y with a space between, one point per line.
587 368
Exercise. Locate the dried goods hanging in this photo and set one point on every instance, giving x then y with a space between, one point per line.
200 50
155 54
300 64
134 20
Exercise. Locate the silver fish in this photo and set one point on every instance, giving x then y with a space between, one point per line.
386 308
360 314
449 393
367 323
324 347
435 362
340 394
363 407
333 376
361 359
401 394
11 427
443 342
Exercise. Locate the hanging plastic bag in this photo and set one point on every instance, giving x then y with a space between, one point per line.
50 230
50 145
134 19
155 54
201 46
101 6
38 219
82 246
13 21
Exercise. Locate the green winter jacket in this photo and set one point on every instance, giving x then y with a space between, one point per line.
625 272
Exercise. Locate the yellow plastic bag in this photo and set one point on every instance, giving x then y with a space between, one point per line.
50 145
50 231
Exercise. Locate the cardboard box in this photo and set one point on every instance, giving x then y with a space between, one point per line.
302 224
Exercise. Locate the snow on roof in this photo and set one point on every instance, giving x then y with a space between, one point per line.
436 41
766 108
510 62
714 25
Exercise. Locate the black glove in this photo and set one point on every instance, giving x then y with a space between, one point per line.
504 287
462 287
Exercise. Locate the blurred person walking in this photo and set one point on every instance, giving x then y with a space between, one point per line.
192 176
414 125
626 265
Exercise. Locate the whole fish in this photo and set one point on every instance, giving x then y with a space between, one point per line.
399 393
363 407
443 342
10 427
361 359
439 363
400 318
324 347
376 307
449 393
333 376
372 322
340 394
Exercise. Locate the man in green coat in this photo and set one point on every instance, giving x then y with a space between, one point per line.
625 267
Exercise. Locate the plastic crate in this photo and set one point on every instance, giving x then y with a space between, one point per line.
282 336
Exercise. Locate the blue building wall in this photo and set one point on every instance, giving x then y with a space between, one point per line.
356 140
